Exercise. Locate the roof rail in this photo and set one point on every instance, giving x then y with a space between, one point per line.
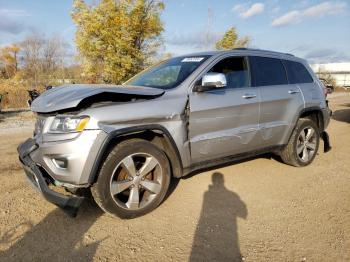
261 50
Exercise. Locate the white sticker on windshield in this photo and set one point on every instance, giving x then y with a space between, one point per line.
192 59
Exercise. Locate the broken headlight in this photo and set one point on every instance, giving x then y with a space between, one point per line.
68 124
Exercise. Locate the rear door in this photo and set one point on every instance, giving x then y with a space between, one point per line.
280 101
224 121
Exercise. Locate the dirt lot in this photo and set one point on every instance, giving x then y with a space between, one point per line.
262 209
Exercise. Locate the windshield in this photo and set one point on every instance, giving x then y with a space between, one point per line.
169 73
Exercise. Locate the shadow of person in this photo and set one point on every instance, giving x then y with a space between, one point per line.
56 238
216 237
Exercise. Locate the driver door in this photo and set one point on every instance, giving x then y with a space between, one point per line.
224 121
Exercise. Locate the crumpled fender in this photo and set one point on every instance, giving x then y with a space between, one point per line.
74 96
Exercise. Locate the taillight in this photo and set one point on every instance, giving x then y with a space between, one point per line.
325 90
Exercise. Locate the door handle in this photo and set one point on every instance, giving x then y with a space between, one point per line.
248 96
293 91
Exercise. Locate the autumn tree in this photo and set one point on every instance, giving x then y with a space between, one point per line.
115 39
9 60
230 40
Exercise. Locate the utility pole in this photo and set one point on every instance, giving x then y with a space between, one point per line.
207 44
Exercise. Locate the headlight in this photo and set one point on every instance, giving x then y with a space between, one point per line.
68 124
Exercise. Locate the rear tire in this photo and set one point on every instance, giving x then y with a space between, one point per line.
133 180
302 147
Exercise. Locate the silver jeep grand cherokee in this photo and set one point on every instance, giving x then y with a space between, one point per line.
124 143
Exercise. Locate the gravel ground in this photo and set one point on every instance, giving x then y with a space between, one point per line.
259 208
16 120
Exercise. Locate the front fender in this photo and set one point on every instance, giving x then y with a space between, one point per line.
176 160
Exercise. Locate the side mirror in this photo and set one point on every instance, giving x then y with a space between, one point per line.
211 81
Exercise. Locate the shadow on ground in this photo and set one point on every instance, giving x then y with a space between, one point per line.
56 238
216 237
342 115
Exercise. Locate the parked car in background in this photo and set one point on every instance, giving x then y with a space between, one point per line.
125 143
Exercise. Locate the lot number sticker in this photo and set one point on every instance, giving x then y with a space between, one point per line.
192 59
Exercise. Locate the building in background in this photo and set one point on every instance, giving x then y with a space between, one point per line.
339 71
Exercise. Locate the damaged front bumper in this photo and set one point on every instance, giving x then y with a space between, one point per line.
69 204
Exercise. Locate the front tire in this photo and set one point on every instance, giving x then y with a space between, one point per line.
303 144
133 180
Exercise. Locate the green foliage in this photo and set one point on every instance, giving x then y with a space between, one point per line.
116 38
230 40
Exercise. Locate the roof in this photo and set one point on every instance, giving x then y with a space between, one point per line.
237 50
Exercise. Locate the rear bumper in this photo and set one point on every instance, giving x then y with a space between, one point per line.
70 204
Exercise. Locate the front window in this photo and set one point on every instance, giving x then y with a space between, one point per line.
236 71
169 73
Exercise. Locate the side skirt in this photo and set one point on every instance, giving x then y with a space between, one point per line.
211 164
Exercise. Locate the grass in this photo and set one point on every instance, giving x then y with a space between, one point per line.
16 96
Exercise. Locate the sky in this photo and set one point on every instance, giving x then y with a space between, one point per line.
313 29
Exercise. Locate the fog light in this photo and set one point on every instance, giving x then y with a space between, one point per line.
60 162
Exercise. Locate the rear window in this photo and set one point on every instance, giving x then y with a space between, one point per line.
297 73
268 71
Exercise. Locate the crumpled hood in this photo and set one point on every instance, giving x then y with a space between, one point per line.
71 96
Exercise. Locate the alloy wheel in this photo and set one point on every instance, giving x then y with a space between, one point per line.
306 144
136 181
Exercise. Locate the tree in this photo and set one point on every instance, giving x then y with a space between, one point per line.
9 60
230 40
115 39
32 48
53 54
327 76
42 59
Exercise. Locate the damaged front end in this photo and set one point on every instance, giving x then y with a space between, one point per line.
73 123
41 181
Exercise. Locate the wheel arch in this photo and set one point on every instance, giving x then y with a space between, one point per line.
314 113
156 134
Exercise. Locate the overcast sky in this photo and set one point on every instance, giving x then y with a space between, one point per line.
316 30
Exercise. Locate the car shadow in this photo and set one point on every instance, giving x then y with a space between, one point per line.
55 238
342 115
172 186
216 236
